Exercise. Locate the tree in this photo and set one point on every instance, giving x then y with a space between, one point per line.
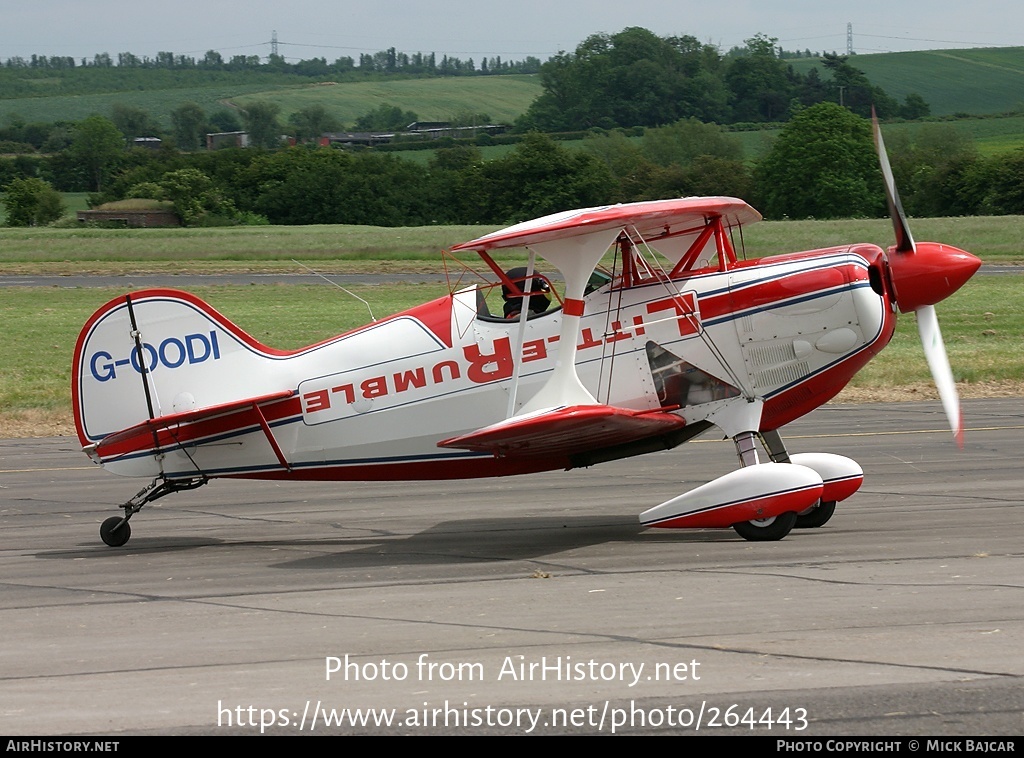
448 172
194 195
626 162
189 122
822 165
539 177
212 59
851 88
96 146
224 120
759 83
261 123
929 164
304 185
914 106
1005 184
312 121
632 78
385 117
133 122
706 175
32 202
686 140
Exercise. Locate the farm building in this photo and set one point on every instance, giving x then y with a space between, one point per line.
217 140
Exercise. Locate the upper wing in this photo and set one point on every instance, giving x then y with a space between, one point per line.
566 431
650 219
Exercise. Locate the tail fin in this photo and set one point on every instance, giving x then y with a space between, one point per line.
158 353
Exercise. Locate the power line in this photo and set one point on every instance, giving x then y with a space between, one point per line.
378 49
941 41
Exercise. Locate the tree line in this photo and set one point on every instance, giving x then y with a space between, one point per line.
190 124
822 165
635 78
389 61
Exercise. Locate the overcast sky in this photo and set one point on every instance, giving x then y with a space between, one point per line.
475 28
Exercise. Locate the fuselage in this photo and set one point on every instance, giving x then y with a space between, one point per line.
374 403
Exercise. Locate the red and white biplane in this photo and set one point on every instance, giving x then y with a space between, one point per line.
675 335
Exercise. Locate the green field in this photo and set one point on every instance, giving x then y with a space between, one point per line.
437 99
991 136
262 248
976 81
504 98
158 103
995 239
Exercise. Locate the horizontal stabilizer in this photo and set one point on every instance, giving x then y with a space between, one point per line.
152 433
566 431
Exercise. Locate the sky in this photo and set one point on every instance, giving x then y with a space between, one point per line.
477 29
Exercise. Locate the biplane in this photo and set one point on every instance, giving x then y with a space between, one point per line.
656 329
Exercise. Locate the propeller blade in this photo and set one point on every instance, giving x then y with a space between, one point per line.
942 373
923 279
904 239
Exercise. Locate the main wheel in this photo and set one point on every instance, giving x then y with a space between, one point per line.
816 516
115 535
767 529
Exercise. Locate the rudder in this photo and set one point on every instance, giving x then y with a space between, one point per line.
187 357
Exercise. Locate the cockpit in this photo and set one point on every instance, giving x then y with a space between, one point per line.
543 294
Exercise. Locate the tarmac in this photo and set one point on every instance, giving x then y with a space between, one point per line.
526 605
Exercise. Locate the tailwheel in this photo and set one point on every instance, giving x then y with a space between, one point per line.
767 529
816 516
115 531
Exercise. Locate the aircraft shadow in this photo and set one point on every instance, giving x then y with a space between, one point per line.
463 541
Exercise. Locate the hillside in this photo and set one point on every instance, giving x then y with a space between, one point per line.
991 136
504 98
978 81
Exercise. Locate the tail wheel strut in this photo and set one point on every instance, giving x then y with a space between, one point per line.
115 531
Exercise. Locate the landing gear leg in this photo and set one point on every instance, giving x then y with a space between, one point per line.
115 531
769 529
746 449
819 513
775 447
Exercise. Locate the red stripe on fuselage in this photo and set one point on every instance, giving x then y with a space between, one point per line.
775 291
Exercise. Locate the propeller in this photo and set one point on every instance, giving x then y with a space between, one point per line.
922 275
